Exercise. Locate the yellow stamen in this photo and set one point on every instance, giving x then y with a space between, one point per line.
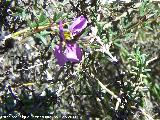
67 35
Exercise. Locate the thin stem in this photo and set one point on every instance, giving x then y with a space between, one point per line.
106 89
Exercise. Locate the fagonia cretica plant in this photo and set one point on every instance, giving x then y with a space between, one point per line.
61 59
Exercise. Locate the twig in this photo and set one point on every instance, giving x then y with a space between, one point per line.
110 92
152 60
107 90
26 30
146 115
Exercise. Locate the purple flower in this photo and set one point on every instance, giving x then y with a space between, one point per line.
72 52
78 25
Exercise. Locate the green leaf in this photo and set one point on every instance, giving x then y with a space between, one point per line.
43 39
44 22
54 17
142 9
57 16
157 86
52 45
44 33
117 43
128 35
156 92
34 24
42 17
148 27
19 9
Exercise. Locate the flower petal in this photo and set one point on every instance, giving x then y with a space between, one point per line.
58 52
73 52
61 32
78 25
